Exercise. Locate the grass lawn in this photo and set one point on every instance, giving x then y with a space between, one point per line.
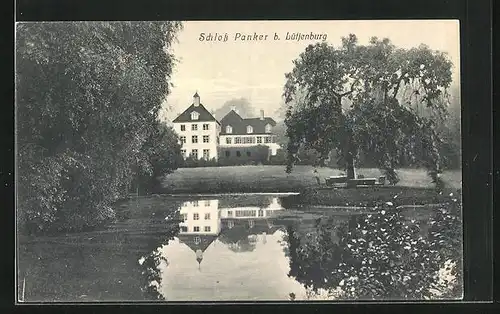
274 179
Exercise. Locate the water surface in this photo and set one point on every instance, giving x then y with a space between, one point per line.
197 248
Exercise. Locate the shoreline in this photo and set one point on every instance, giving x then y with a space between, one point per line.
400 195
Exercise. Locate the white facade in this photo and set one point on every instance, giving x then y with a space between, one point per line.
252 212
198 138
230 140
200 217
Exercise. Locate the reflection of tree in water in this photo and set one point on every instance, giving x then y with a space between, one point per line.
238 239
237 201
152 274
242 235
381 255
152 258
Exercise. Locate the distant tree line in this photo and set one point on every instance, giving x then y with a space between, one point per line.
87 101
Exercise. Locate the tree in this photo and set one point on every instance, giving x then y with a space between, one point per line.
161 155
87 98
242 105
353 103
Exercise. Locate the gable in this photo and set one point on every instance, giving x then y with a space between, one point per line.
204 115
189 240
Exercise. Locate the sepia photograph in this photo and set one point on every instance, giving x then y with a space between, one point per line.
237 161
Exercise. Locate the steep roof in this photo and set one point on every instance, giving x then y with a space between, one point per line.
205 115
240 124
241 230
188 239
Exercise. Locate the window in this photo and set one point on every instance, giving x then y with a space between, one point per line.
194 127
183 127
196 229
195 203
249 140
237 140
206 154
184 216
261 213
268 128
194 139
230 213
195 115
207 228
183 153
246 213
228 140
249 129
207 216
267 139
229 129
197 240
206 139
205 126
228 153
196 216
207 203
259 139
238 154
183 139
249 154
194 153
184 229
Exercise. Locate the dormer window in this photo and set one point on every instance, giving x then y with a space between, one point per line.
268 128
249 129
195 115
229 129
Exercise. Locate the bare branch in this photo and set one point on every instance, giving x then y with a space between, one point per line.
396 89
351 90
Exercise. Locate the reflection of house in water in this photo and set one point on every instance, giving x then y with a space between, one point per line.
241 227
201 225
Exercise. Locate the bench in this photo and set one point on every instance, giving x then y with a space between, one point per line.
336 180
356 182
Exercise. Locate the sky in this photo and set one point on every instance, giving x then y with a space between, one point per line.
255 70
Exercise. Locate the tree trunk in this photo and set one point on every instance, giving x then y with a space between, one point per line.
349 159
350 166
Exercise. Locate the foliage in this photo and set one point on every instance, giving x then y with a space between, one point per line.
243 107
191 162
161 153
278 159
87 99
381 255
350 100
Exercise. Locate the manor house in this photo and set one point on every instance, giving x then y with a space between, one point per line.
233 138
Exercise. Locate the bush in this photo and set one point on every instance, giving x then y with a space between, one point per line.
191 162
161 154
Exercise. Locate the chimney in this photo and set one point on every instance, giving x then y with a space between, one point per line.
196 99
262 114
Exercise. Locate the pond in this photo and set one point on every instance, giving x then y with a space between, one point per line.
248 247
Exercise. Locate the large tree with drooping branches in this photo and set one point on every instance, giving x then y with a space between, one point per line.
375 99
